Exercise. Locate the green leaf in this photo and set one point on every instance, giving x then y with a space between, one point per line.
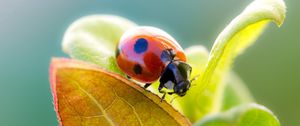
235 92
86 95
241 33
232 41
244 115
94 39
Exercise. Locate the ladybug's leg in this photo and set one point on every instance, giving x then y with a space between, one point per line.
164 95
147 85
161 91
128 77
170 93
173 98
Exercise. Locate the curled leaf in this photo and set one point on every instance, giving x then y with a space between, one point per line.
244 115
235 38
94 39
86 95
241 33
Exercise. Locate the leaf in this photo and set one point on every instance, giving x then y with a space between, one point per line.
241 33
94 39
86 95
235 92
244 115
233 40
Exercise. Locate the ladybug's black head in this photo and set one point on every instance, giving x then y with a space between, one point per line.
177 77
182 87
182 78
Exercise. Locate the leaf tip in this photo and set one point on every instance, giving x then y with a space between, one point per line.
276 9
281 11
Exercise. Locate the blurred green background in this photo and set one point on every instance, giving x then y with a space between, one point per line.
31 33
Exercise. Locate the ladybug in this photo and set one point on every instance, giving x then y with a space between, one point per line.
146 54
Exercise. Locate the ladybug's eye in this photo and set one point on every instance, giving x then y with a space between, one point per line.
141 45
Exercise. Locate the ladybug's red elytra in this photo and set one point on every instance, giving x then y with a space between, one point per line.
147 54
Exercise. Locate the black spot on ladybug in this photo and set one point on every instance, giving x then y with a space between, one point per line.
137 69
117 52
140 45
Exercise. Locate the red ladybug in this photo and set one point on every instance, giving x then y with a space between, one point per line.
147 54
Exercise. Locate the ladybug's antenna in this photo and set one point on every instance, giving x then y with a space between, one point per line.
194 78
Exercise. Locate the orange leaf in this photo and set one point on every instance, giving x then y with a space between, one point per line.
86 95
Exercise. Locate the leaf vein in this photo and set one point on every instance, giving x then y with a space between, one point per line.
97 104
134 111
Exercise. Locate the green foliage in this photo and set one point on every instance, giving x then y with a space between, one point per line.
235 92
244 115
94 38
